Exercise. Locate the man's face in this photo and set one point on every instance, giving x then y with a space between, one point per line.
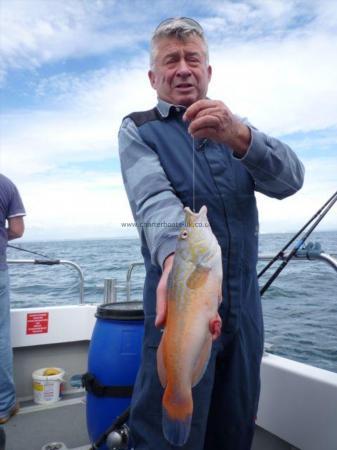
180 74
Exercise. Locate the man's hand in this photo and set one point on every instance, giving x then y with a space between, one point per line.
212 119
161 307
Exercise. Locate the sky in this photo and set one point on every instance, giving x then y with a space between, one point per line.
70 70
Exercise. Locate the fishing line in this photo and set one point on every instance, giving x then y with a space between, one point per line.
193 174
255 166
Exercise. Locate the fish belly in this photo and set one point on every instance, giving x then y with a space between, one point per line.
185 351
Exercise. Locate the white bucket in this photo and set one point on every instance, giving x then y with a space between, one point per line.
47 388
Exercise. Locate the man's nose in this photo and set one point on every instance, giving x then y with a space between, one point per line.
183 69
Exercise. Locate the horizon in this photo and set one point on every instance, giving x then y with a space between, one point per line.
135 237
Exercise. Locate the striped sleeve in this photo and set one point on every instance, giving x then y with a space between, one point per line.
156 208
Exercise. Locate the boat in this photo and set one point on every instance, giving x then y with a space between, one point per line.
298 403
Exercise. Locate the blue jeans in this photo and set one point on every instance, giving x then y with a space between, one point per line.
7 388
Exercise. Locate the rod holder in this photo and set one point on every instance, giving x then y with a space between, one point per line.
110 290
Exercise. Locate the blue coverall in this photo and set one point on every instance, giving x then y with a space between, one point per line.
156 160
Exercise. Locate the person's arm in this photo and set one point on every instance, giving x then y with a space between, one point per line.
156 208
16 227
275 168
153 201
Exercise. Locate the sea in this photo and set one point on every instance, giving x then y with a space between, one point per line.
300 307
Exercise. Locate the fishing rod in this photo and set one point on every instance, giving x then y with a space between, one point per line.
281 252
48 261
321 213
54 261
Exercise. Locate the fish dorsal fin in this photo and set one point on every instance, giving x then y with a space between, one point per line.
198 277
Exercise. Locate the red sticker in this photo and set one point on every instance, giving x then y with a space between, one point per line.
37 323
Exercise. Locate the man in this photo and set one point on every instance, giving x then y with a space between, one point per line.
231 161
12 211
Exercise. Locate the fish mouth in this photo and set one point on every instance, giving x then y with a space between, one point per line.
192 217
203 210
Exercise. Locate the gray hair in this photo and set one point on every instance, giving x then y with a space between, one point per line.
180 28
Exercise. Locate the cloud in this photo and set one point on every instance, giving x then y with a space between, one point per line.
276 19
272 63
292 213
246 20
274 83
76 204
38 32
80 123
282 86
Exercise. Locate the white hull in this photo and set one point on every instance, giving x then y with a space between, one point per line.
298 405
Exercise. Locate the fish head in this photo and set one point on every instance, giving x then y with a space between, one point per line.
196 241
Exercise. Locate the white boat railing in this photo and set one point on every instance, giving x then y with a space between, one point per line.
329 259
300 256
110 284
52 262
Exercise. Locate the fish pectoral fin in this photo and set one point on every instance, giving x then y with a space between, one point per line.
198 277
160 365
202 362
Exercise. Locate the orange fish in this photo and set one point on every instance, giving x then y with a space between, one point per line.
192 322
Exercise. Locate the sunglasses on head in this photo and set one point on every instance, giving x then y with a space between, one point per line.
187 20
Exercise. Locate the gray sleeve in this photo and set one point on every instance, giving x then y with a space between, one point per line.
157 210
275 168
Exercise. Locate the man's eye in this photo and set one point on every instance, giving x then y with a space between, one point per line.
193 57
170 61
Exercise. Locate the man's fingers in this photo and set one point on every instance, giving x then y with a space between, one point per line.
212 111
206 133
204 122
161 313
193 110
161 305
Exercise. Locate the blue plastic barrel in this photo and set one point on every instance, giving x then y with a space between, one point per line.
113 360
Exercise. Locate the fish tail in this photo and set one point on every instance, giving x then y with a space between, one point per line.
177 415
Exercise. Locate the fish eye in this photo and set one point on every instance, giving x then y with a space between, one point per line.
183 234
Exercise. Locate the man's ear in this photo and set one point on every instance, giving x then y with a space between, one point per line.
209 72
152 78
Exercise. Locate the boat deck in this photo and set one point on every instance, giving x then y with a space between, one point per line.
65 422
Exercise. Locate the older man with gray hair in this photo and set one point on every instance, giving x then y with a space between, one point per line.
231 160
